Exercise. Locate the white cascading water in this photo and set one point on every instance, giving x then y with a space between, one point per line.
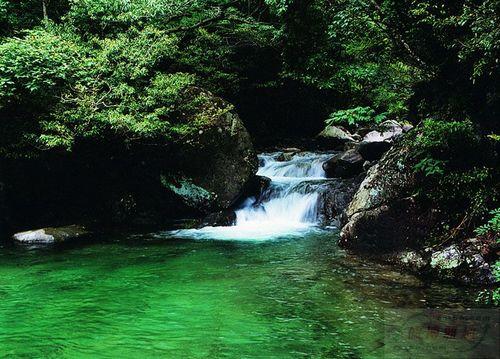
288 207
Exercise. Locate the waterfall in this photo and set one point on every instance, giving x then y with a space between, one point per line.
287 207
288 200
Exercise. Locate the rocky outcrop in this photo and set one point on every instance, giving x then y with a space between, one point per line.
386 220
345 165
384 215
51 235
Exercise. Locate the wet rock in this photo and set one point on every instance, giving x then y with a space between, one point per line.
344 165
334 197
51 235
285 156
256 186
222 218
334 136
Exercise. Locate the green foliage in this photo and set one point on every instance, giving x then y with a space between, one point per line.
491 227
38 66
455 174
118 68
442 140
482 46
430 166
353 117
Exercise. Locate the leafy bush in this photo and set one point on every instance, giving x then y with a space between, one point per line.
353 117
430 166
491 227
455 169
445 138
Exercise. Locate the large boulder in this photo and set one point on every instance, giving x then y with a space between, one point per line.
215 163
387 220
345 165
383 214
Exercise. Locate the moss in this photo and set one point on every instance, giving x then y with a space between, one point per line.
191 194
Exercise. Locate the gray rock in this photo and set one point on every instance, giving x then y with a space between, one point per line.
334 136
215 166
344 165
51 235
256 186
376 143
383 216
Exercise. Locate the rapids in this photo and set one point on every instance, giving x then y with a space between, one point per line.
287 208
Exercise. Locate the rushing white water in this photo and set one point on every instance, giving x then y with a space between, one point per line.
288 207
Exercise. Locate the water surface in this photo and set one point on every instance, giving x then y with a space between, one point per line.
169 297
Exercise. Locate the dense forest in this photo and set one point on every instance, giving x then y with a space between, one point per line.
363 127
116 71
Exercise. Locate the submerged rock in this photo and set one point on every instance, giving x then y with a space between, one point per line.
51 234
256 186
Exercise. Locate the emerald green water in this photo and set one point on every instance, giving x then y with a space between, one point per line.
152 297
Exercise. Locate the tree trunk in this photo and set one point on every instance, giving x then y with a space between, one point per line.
44 8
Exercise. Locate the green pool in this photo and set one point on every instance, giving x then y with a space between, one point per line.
153 296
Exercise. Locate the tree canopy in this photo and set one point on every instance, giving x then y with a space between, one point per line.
90 69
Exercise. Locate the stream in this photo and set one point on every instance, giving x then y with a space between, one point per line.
274 285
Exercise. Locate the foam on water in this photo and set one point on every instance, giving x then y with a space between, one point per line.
287 208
